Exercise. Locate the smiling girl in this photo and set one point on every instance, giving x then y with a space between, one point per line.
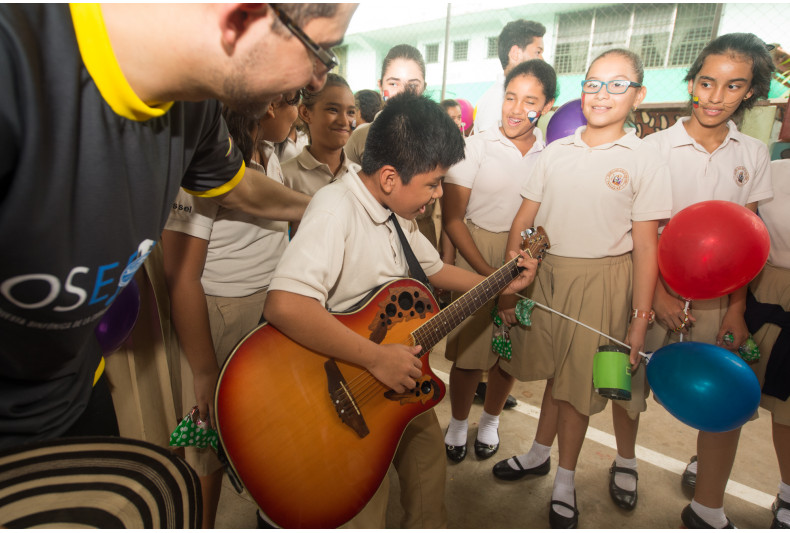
481 197
329 115
600 194
709 159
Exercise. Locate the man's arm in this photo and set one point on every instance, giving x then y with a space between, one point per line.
261 196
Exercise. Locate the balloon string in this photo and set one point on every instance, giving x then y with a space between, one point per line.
547 308
686 311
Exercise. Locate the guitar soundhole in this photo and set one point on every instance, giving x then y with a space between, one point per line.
419 307
391 310
405 300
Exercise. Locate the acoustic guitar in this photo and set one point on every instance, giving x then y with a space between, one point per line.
310 437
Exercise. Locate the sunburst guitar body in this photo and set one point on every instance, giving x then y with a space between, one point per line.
310 437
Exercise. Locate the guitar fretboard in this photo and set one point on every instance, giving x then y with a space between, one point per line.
436 328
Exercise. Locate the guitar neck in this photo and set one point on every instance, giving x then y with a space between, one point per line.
451 316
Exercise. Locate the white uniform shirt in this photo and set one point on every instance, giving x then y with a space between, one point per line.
288 149
489 106
346 246
775 212
355 146
306 174
243 250
590 196
737 171
495 171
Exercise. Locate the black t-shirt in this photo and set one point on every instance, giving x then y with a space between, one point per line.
87 176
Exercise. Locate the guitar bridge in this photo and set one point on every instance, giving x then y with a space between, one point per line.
344 402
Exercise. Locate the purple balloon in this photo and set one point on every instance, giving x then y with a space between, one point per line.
117 323
565 120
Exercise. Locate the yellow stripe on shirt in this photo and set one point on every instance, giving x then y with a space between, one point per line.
222 189
102 65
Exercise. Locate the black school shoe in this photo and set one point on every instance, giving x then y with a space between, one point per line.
625 499
485 451
557 521
480 394
689 478
692 520
777 505
503 470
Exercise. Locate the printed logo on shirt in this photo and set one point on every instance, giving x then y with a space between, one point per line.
617 179
741 176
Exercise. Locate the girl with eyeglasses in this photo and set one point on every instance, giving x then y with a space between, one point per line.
709 159
599 194
329 115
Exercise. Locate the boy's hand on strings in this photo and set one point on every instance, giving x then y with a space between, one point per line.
670 311
507 309
397 367
733 323
526 276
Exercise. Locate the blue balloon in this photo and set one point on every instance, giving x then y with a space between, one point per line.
704 385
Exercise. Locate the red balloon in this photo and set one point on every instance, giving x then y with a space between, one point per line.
712 248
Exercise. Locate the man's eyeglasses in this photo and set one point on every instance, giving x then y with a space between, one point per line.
327 57
613 87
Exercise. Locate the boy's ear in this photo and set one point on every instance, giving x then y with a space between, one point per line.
388 178
547 107
304 113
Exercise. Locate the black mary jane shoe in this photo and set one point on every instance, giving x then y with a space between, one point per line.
503 470
692 520
625 499
777 505
455 453
484 451
557 521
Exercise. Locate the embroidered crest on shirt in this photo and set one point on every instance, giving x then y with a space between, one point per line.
617 179
741 176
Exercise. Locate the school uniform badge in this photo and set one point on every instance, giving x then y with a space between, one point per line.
741 176
617 179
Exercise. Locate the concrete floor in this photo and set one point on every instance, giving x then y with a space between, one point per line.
476 499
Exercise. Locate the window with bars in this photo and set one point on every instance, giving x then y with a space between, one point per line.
432 53
493 47
460 50
664 35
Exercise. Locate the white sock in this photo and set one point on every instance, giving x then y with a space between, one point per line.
487 430
456 432
564 491
692 467
784 494
625 481
714 517
536 456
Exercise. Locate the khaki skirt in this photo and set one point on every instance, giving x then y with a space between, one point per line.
596 292
469 345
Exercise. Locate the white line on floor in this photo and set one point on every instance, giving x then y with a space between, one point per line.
739 490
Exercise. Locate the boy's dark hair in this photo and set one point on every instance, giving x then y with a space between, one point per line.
745 45
519 32
448 103
369 103
541 70
413 134
631 56
402 51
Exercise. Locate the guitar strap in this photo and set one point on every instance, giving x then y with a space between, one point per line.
415 270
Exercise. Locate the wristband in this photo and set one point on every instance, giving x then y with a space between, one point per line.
650 316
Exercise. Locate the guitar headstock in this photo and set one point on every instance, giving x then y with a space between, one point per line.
535 242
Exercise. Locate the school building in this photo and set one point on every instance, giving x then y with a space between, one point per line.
668 37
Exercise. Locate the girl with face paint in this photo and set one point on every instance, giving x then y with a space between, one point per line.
599 194
709 159
481 196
